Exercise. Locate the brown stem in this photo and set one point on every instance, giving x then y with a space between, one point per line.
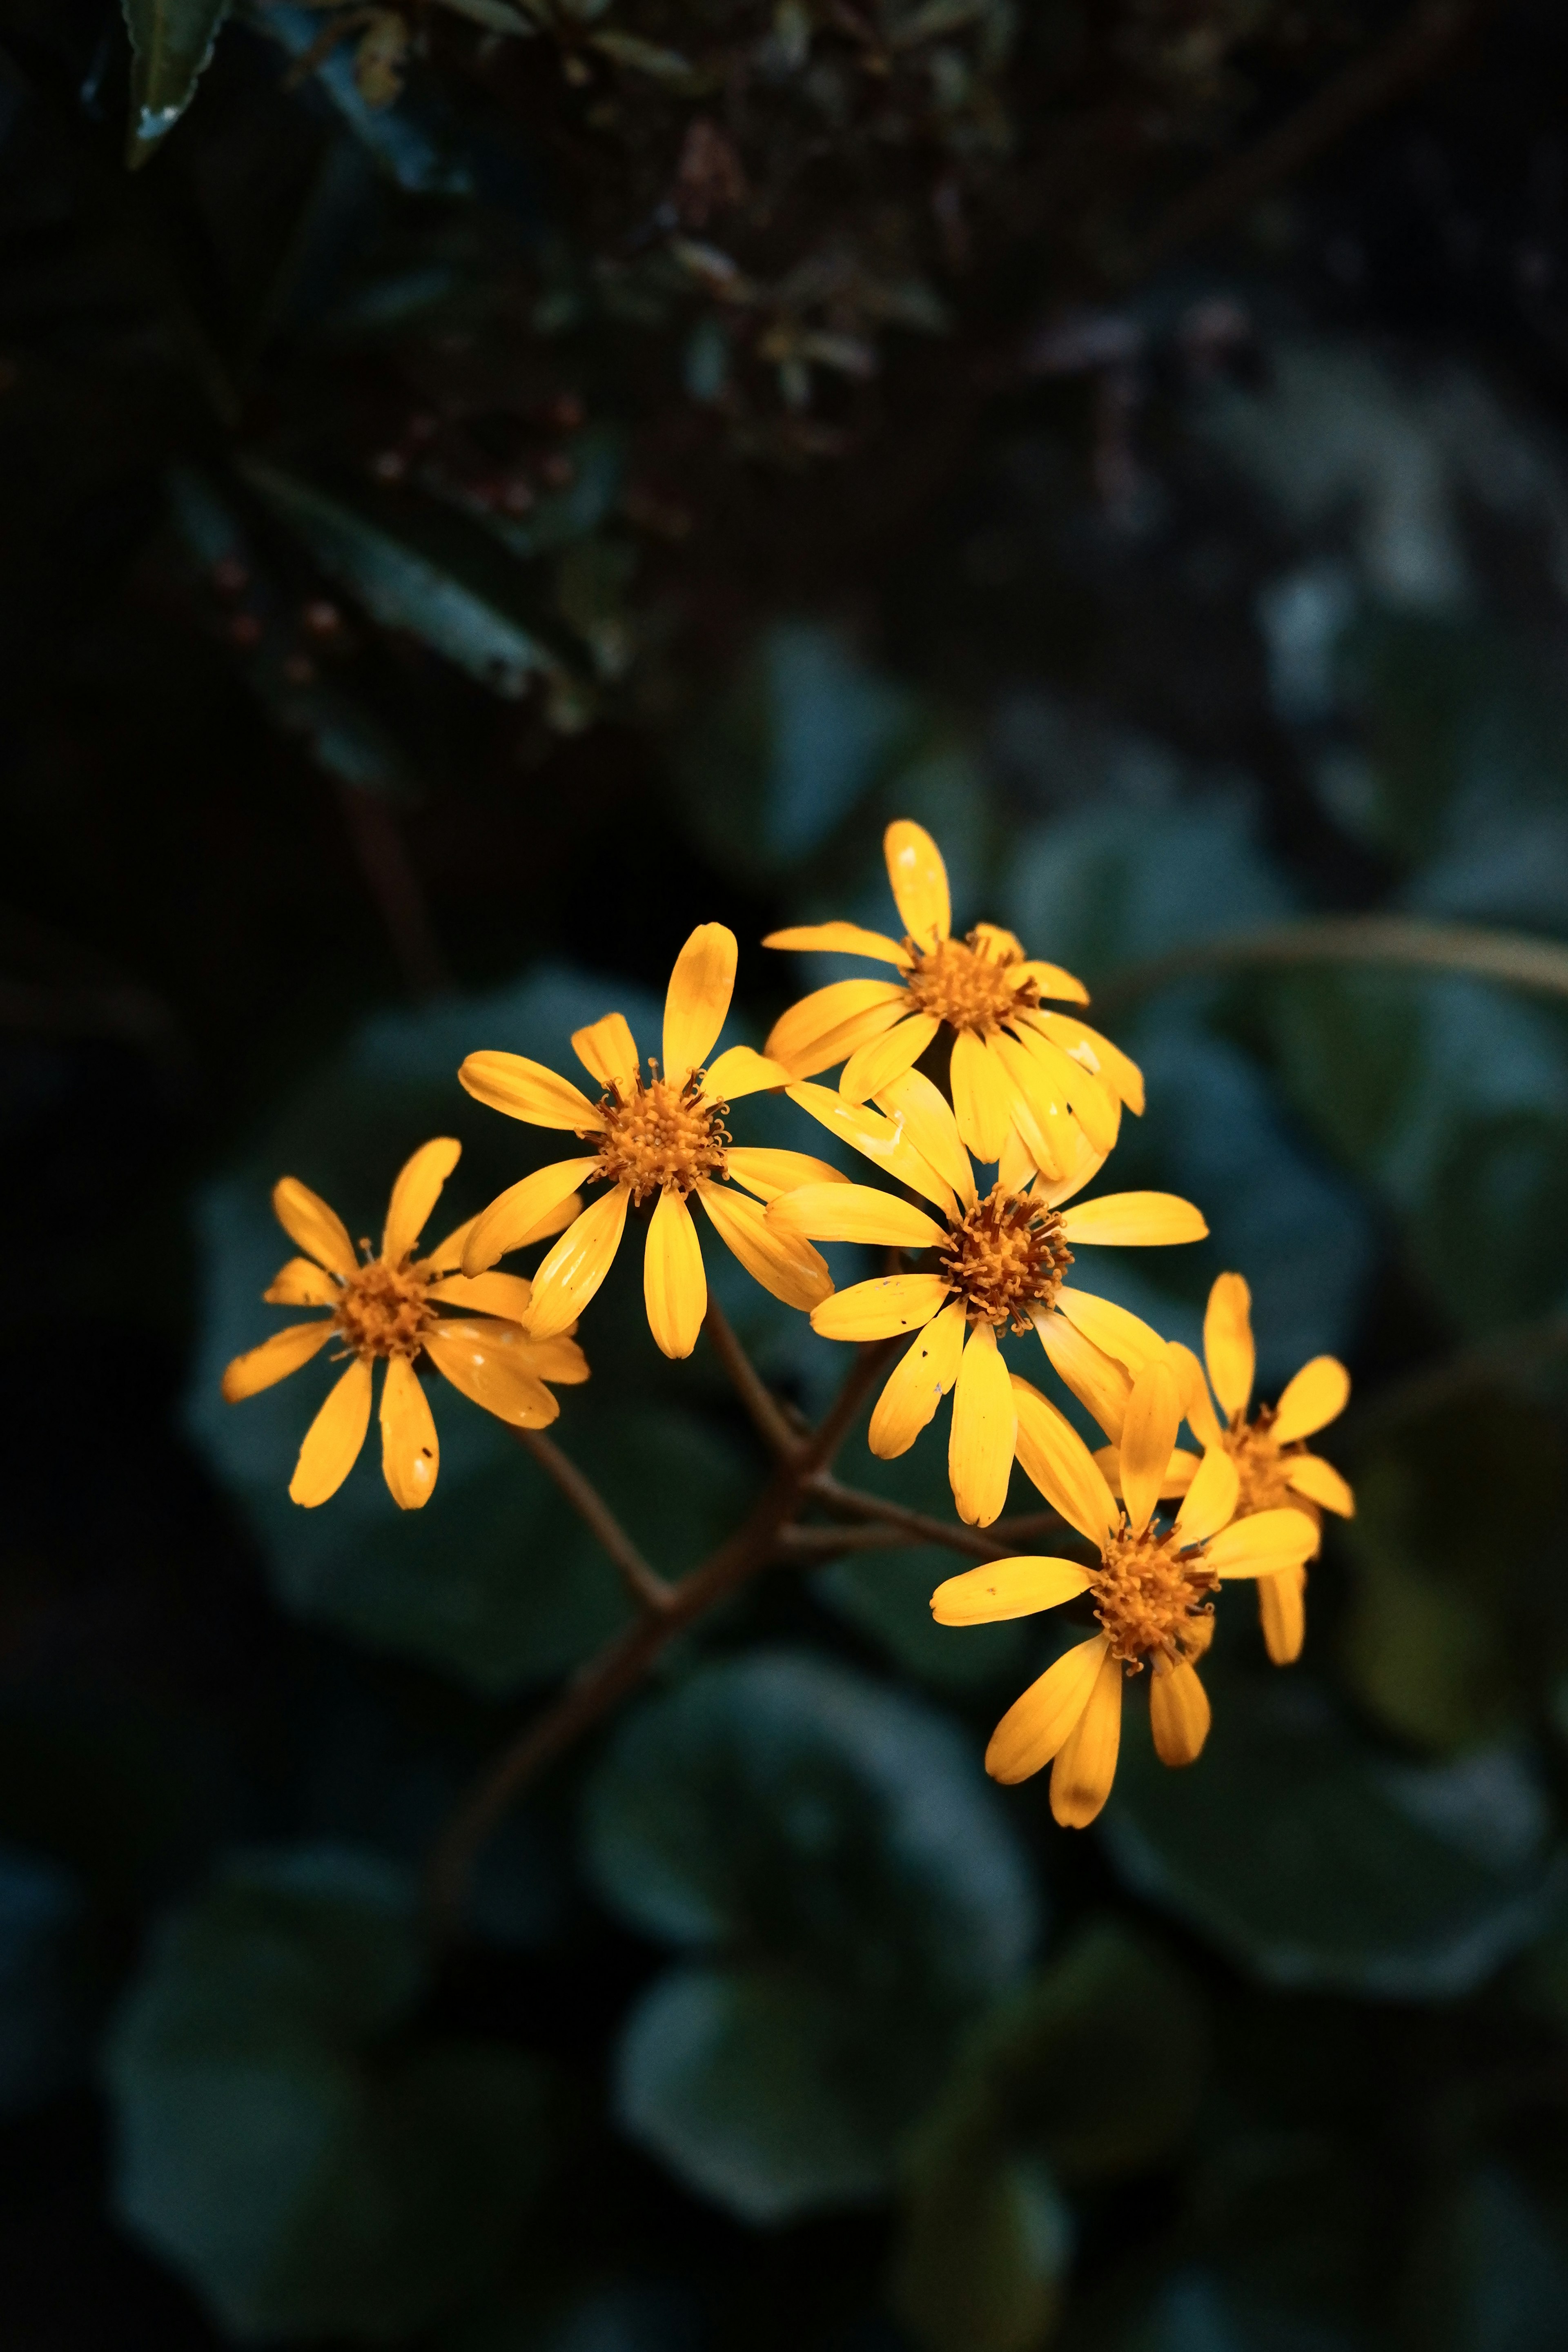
766 1415
977 1543
645 1583
392 881
1514 958
621 1665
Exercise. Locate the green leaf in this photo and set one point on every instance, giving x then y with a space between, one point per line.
1314 1863
422 568
171 41
1489 2273
307 2174
838 1842
982 2267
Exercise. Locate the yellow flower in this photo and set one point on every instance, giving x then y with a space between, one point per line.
999 1260
386 1309
1273 1464
1150 1587
663 1135
1020 1076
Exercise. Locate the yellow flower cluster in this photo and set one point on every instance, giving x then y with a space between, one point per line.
984 1162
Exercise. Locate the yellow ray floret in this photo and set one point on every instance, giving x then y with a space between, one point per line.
1273 1464
394 1309
662 1138
1023 1078
993 1261
1150 1587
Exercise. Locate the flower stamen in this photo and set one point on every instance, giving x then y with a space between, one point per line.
968 983
1150 1599
382 1311
662 1137
1005 1259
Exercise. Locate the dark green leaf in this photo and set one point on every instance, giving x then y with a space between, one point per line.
1489 2273
982 2265
171 41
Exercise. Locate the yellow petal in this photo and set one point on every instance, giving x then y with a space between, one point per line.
997 944
675 1288
922 1378
1084 1045
1051 980
410 1451
1077 1160
494 1365
522 1212
806 1037
1179 1471
985 1425
1258 1545
414 1194
1085 1761
572 1273
1006 1588
276 1358
919 882
740 1070
872 1067
840 939
302 1282
447 1255
1228 1342
1196 1404
1148 1439
1036 1727
696 1001
527 1090
982 1096
608 1052
1311 1476
1283 1612
559 1360
1111 1329
855 1213
1178 1714
317 1230
1097 1380
333 1439
881 1309
1134 1220
1089 1098
1055 1458
881 1140
784 1263
1016 1168
767 1172
1211 1498
1316 1396
506 1295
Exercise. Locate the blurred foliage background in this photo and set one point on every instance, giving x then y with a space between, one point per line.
496 485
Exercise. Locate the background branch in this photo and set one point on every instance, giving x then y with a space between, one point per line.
1515 958
644 1582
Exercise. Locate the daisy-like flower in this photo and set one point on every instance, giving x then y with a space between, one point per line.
1018 1071
997 1260
662 1138
394 1308
1150 1587
1273 1464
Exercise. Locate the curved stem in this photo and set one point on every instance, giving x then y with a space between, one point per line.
766 1414
1514 958
643 1582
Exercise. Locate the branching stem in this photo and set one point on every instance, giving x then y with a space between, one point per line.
783 1443
643 1582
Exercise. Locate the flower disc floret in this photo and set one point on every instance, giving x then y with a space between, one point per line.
1006 1258
1151 1601
662 1135
384 1311
971 983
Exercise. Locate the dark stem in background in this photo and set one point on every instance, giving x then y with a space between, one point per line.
1514 958
376 836
645 1583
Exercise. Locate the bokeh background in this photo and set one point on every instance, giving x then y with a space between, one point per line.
464 525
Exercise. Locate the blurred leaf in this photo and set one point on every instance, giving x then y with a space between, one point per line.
496 1580
43 1995
593 495
1313 1864
417 152
417 567
171 41
1489 2273
1091 2069
495 15
1195 2312
799 741
307 2176
839 1841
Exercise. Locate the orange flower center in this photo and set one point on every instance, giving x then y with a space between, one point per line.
1150 1601
1263 1465
1007 1256
382 1311
964 982
666 1137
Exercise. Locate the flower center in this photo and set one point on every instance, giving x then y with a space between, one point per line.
1007 1256
960 982
665 1136
382 1311
1150 1601
1263 1466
